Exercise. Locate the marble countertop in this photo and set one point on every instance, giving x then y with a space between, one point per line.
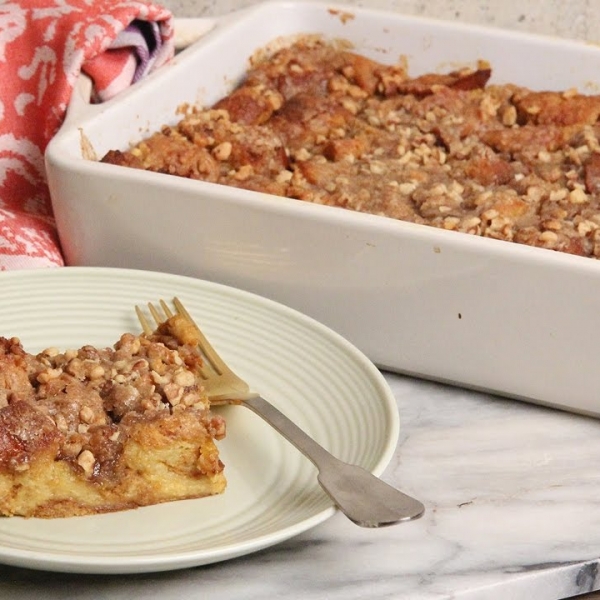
576 19
512 491
512 497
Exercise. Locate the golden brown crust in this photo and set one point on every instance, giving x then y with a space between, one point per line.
98 430
322 124
25 435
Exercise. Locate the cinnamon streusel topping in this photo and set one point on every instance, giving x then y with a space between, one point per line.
320 123
98 429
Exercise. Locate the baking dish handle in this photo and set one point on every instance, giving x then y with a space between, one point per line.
187 31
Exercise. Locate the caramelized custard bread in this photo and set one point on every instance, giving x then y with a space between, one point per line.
318 122
96 430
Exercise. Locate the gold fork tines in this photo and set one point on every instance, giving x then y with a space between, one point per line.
216 362
221 384
146 327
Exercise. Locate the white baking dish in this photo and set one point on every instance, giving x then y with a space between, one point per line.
519 321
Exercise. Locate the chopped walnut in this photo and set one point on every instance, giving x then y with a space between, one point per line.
86 461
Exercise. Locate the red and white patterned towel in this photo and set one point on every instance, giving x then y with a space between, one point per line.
44 45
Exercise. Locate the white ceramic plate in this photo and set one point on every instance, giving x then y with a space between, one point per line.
315 376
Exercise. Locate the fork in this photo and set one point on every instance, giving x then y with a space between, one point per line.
364 498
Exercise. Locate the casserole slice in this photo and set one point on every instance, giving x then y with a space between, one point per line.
97 430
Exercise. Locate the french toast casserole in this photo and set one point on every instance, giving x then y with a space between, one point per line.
317 122
95 430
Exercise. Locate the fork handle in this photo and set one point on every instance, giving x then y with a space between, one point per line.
361 496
